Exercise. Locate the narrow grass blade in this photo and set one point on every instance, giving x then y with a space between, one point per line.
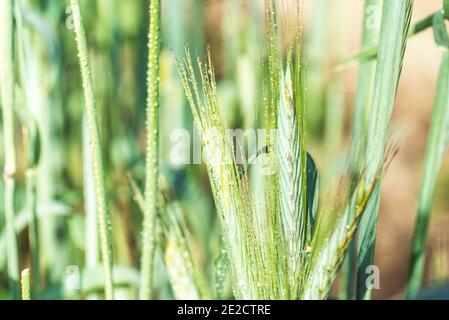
360 123
436 148
395 24
104 222
365 81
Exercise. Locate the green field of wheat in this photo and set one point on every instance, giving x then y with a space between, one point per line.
219 150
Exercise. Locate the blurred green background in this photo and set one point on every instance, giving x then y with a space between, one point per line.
234 30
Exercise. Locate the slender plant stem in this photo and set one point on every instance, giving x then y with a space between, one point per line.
9 171
104 220
367 72
436 148
151 184
33 141
360 123
396 17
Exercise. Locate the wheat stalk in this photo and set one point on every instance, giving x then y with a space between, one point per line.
104 220
9 169
151 184
396 16
435 151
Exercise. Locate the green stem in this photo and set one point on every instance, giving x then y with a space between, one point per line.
366 76
436 148
33 141
365 84
396 17
104 220
152 171
7 95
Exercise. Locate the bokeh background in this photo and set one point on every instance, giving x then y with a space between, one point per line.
117 33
